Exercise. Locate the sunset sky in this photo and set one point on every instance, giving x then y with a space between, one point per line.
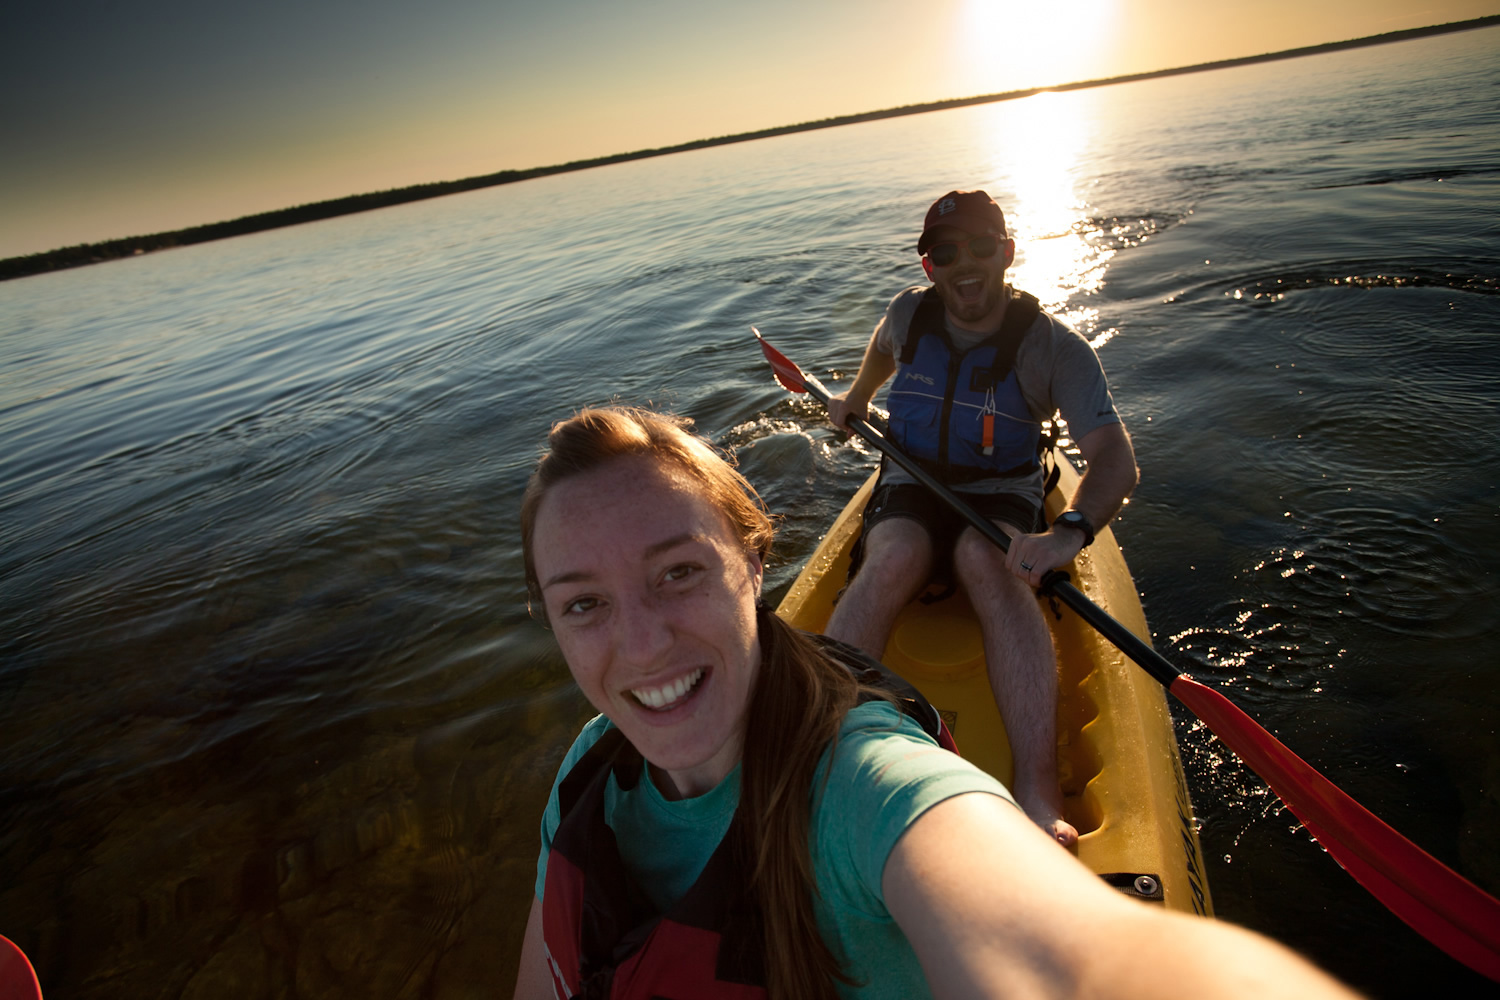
120 119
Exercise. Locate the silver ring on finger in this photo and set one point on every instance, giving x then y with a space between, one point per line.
1026 566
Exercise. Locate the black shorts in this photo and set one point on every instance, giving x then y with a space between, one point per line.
942 524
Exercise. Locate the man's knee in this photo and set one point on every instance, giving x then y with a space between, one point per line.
897 546
976 557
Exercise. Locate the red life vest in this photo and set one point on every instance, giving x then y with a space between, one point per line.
603 937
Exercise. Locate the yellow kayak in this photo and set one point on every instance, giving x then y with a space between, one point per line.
1117 758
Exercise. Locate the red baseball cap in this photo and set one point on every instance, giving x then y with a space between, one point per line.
971 211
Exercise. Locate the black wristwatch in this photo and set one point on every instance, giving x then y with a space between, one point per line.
1077 519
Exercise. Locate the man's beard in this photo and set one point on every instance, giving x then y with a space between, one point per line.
970 311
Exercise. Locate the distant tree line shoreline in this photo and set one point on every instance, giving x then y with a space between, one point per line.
94 253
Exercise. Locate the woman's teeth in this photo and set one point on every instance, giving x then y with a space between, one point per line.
668 694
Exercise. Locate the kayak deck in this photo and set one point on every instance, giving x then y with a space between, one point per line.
1118 763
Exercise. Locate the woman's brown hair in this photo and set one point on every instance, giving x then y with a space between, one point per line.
800 697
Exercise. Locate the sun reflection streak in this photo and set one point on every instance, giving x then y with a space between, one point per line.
1058 258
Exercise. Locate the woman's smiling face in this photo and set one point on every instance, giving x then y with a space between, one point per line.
651 595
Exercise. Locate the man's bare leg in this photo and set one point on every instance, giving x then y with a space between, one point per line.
1023 676
897 562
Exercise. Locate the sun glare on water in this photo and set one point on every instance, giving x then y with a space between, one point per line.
1036 143
1035 148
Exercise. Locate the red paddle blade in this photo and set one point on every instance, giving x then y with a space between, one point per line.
787 373
1434 900
17 978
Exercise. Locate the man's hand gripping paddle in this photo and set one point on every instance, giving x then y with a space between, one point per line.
1434 900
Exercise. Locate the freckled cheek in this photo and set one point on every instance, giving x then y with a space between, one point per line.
585 662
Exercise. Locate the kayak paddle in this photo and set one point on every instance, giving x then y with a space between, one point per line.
1434 900
17 978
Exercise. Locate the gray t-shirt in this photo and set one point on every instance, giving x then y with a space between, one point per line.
1057 371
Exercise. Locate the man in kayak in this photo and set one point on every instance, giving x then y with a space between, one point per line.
978 369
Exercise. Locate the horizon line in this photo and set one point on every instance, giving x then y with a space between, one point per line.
82 254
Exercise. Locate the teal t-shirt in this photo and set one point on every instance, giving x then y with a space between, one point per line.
885 773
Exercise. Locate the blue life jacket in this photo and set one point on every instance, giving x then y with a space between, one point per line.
962 415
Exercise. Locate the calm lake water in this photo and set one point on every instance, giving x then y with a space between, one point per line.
274 719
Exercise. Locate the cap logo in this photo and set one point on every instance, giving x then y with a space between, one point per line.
947 205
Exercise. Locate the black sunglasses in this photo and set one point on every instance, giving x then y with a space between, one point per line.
980 248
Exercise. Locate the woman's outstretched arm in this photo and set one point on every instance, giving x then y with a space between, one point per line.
532 979
994 908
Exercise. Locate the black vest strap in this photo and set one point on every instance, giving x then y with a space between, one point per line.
872 673
928 320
